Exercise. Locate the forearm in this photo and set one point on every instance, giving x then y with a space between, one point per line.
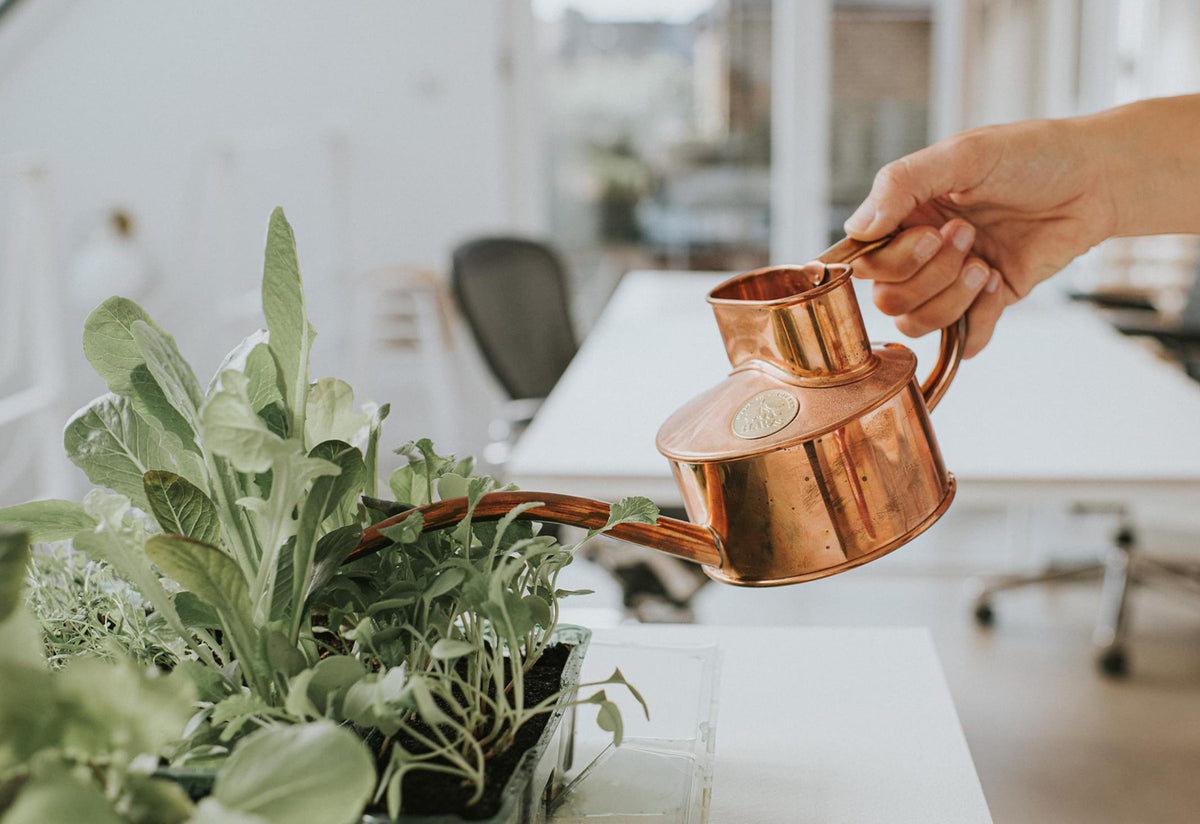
1147 157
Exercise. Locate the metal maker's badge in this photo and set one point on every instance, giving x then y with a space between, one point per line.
765 414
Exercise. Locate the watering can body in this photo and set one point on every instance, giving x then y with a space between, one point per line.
815 455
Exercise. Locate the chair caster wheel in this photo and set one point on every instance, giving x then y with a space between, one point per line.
1113 662
985 616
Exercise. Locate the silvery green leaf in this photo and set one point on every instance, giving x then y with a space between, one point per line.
372 700
407 487
445 581
316 773
47 521
282 654
252 357
115 447
291 335
170 371
539 610
448 648
331 677
181 508
376 414
231 428
632 510
14 557
451 486
331 415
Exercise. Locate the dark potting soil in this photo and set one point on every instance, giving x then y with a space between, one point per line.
431 793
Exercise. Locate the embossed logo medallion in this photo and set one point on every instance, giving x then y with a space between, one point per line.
765 414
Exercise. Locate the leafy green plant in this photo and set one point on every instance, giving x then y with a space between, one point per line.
80 743
227 512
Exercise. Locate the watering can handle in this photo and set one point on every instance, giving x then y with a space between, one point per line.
954 336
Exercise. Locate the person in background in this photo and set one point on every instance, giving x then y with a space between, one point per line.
987 214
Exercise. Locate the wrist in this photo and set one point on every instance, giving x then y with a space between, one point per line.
1145 163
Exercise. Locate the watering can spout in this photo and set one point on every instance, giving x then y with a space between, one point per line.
689 541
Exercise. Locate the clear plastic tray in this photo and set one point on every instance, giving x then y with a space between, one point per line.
662 772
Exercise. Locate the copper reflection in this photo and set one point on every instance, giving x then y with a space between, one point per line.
815 455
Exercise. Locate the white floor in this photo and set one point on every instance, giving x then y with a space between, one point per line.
1053 740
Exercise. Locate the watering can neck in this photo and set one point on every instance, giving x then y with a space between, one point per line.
803 320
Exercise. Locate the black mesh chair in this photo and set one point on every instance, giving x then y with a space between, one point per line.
513 294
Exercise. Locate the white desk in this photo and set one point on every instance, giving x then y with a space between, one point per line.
1059 406
829 726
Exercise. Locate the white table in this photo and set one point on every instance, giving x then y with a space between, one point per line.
828 726
1058 407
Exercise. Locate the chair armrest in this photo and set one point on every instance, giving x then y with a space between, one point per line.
1114 300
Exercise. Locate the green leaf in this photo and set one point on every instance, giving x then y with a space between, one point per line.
330 678
170 371
331 415
47 521
231 428
405 532
376 414
252 357
316 773
332 549
282 654
291 335
632 510
451 486
447 648
14 557
407 487
115 447
345 487
539 610
446 580
196 613
182 508
61 799
113 351
216 579
119 542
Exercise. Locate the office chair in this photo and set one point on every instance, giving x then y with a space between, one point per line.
1178 336
513 294
1124 565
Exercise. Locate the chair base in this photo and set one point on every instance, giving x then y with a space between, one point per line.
1122 568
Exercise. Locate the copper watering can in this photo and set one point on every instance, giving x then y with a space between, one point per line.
814 456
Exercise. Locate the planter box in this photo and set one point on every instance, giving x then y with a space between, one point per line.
536 779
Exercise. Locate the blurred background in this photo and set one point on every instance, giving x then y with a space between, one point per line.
143 145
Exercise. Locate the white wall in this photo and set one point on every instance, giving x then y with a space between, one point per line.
378 125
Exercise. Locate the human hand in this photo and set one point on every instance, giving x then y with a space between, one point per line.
986 215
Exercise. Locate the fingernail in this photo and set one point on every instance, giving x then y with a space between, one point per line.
862 218
975 275
993 282
927 246
964 236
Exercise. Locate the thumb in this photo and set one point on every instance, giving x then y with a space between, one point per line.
951 165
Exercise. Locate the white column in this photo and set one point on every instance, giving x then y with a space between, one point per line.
800 106
521 162
949 70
